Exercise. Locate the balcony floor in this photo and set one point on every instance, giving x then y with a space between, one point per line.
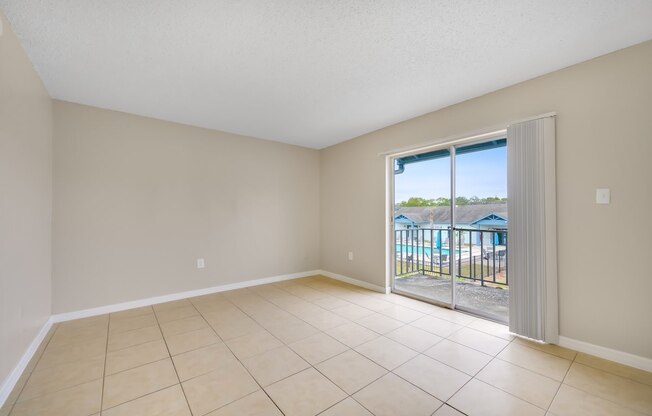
485 300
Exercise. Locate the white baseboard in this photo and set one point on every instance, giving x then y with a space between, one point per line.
67 316
356 282
621 357
10 382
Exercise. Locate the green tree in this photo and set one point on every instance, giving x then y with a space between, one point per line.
444 202
417 202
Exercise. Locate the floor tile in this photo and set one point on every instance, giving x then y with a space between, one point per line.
522 383
274 365
446 410
436 326
317 348
535 360
492 328
324 320
458 356
131 384
385 352
266 327
480 341
293 332
65 336
305 394
236 328
255 404
352 334
478 398
53 356
130 313
202 360
352 312
414 338
80 400
402 314
432 376
575 402
347 407
62 376
128 324
218 388
135 356
183 325
548 348
626 392
631 373
330 303
189 341
166 306
393 396
253 344
167 402
453 316
167 315
98 321
134 337
379 323
351 371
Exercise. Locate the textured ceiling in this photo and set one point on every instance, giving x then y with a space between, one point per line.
308 72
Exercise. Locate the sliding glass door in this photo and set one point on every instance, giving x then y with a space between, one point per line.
422 235
450 227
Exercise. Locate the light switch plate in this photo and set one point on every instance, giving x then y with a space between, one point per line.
602 196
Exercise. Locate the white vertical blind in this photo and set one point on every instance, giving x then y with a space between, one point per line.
532 243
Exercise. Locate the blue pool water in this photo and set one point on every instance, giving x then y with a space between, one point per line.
408 249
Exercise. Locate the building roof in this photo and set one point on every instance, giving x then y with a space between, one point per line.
466 214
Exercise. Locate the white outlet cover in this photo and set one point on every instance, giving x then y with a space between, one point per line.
602 196
200 263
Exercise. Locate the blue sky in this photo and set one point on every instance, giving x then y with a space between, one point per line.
480 174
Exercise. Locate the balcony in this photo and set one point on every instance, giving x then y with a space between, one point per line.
423 268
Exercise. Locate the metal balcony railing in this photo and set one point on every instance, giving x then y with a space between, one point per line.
481 255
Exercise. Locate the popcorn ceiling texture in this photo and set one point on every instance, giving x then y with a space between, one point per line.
308 72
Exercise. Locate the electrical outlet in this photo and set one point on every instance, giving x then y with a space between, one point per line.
602 196
350 256
200 263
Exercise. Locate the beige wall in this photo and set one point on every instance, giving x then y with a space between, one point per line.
604 139
25 201
138 200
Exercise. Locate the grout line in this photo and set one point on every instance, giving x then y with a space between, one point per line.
560 384
270 298
171 360
238 359
106 354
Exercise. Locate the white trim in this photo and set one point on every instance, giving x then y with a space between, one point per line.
478 135
390 246
356 282
621 357
544 115
10 381
67 316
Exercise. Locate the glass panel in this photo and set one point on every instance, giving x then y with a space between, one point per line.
422 225
482 285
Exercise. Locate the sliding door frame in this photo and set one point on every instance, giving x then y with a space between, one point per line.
390 160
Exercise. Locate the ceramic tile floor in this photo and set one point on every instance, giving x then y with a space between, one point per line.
313 346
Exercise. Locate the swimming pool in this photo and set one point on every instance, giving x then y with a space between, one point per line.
406 249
